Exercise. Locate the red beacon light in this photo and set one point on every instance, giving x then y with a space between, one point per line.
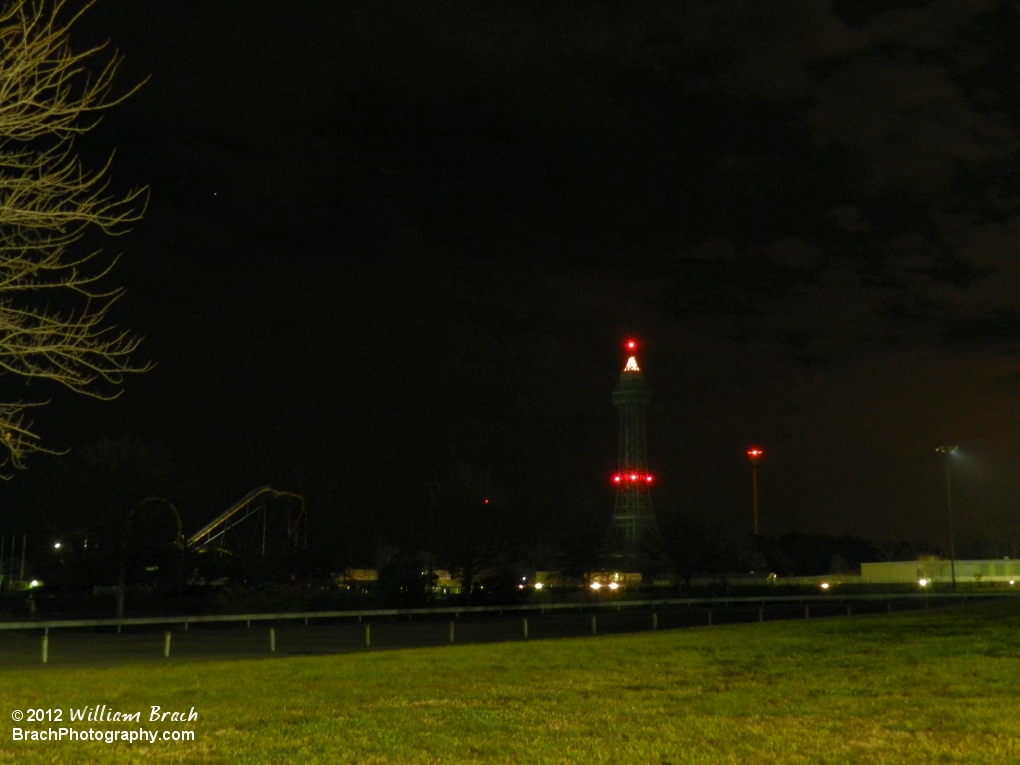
754 454
632 478
630 344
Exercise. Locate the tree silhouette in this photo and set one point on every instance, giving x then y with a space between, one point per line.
115 491
468 525
53 313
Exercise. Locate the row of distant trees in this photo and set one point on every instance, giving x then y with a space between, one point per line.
131 503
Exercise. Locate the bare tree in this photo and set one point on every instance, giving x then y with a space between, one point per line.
470 525
53 313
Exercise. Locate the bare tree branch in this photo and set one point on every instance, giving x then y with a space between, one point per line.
53 314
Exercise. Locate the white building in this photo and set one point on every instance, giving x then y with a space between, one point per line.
1003 571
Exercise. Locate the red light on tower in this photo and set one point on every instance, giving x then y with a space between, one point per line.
754 454
633 520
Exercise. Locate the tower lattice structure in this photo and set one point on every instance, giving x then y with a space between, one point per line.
633 531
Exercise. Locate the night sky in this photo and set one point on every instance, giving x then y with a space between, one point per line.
387 237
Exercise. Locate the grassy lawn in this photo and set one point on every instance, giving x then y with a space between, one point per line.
938 687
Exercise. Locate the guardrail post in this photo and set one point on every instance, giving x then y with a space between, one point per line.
761 614
594 625
185 626
709 618
807 611
249 623
368 636
452 626
524 627
45 648
655 620
888 607
849 611
272 640
166 644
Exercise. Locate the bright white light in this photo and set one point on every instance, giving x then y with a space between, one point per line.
56 546
1010 582
825 585
538 585
923 582
595 585
34 583
631 365
520 587
613 585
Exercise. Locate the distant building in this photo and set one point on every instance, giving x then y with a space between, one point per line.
939 571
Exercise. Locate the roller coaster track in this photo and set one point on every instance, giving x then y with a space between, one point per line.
251 504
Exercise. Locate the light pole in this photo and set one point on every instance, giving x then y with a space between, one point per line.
946 451
754 454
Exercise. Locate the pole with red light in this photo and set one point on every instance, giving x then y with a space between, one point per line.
754 454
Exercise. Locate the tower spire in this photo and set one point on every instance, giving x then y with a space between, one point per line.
633 528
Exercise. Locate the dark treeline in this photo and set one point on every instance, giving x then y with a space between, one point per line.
122 509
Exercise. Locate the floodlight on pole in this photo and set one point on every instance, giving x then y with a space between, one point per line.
946 450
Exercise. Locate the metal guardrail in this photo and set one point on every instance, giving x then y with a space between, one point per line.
456 611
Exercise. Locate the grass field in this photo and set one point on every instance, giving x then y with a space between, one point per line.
937 687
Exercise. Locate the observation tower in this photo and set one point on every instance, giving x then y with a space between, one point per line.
633 531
